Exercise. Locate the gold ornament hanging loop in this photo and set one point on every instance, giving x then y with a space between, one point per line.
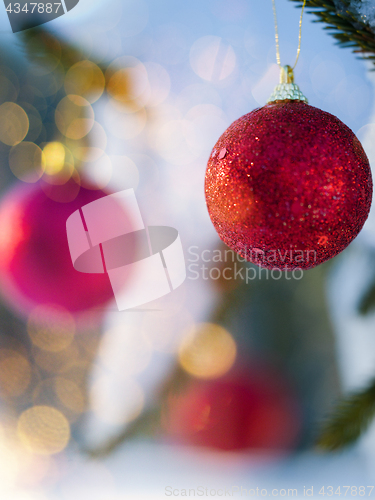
286 74
277 35
287 89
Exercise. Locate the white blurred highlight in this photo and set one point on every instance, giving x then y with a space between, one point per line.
264 87
212 59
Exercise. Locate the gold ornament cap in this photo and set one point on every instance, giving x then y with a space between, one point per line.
287 89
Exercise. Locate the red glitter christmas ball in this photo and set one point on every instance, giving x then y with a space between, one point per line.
288 186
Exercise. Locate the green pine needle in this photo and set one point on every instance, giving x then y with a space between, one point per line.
344 26
367 303
349 420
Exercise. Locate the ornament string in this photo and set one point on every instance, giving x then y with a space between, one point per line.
277 35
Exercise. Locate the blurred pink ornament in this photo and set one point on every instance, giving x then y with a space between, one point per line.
35 264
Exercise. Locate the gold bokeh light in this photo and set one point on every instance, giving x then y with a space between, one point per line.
70 394
27 162
130 84
92 147
51 328
43 430
14 123
85 78
74 117
119 85
61 392
57 362
15 373
54 154
59 163
207 351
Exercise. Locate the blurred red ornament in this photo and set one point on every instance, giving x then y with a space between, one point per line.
288 186
237 411
35 263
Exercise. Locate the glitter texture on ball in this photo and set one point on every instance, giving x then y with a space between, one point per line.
293 189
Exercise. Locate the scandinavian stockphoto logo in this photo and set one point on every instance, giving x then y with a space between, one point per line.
108 236
24 14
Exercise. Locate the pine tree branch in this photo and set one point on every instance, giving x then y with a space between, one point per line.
344 25
367 303
349 420
42 45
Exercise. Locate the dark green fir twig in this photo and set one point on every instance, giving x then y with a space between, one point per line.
344 25
349 420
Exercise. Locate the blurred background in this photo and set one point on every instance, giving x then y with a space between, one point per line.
223 383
